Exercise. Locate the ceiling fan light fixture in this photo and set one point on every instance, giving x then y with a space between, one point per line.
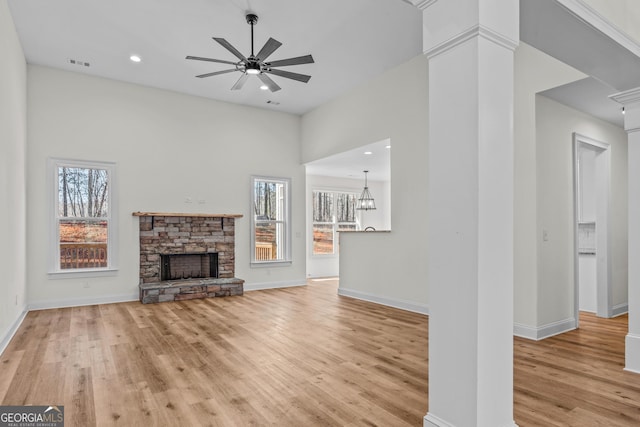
255 64
252 68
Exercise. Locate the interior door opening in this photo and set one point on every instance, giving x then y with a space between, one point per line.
592 260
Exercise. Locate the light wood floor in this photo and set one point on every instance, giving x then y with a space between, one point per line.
289 357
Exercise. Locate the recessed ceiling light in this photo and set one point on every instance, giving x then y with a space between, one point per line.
135 58
387 146
368 152
264 87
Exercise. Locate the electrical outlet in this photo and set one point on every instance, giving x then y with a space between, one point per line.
16 299
188 200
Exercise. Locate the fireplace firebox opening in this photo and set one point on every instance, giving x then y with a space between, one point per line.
189 266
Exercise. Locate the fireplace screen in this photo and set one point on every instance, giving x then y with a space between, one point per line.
189 266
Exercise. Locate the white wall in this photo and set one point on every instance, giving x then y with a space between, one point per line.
13 138
555 126
391 265
534 72
380 219
167 147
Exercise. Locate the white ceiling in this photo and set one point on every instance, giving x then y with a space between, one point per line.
351 41
590 96
352 163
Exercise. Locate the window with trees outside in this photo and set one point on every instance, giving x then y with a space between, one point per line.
332 212
83 225
270 238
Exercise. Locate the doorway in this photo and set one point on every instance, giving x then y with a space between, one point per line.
592 248
333 185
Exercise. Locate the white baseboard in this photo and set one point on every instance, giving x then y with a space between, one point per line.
431 420
4 340
545 331
273 285
391 302
77 302
620 309
524 331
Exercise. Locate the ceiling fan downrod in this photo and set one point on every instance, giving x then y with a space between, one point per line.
252 20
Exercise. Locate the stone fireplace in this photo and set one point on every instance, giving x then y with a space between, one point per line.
187 256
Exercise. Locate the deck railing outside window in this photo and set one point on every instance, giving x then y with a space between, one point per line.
83 255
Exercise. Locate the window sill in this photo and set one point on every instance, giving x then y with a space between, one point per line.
270 264
82 273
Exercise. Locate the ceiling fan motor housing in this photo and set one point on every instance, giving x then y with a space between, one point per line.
252 19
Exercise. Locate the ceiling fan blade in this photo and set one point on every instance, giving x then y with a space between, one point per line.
269 47
289 75
199 58
240 82
215 73
307 59
230 48
273 87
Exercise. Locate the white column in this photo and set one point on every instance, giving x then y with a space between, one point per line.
631 102
470 45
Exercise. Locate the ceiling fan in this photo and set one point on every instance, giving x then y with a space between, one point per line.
257 64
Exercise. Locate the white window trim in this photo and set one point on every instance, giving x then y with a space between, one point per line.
287 223
335 223
54 270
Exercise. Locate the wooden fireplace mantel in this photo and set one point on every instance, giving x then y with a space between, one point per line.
194 215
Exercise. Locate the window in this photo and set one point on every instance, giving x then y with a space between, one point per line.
332 212
82 221
271 230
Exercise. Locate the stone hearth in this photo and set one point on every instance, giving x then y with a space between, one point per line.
163 234
189 289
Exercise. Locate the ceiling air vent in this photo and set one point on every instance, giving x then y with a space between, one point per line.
78 62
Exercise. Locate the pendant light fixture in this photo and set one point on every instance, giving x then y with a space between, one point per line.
366 202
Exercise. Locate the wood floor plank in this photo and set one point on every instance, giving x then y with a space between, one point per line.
289 357
9 363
